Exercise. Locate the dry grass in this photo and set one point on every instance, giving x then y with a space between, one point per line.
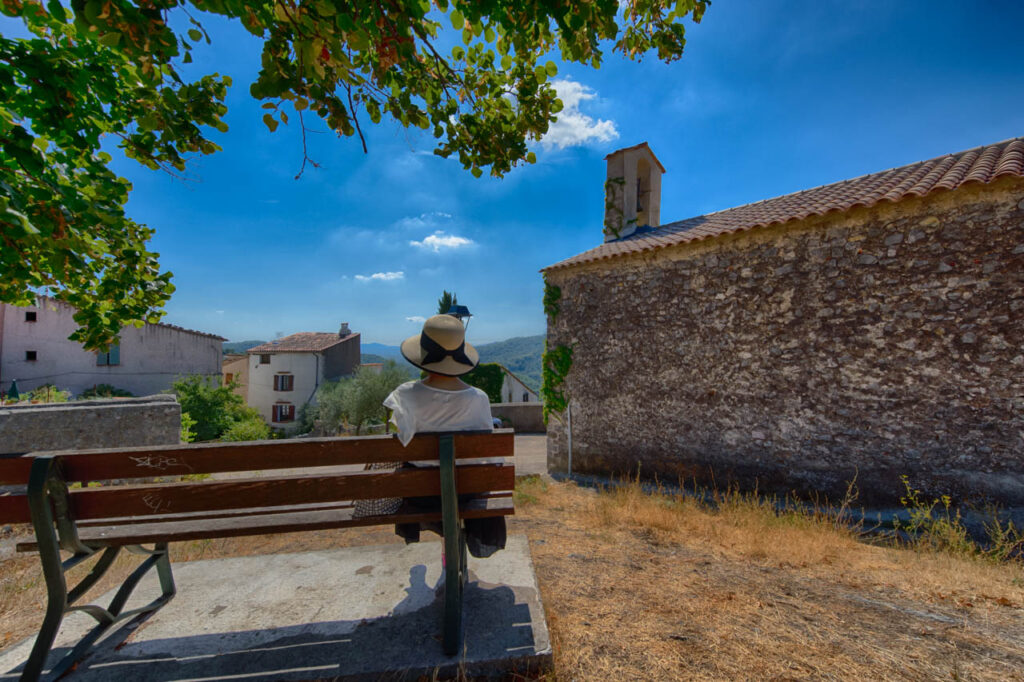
656 587
640 586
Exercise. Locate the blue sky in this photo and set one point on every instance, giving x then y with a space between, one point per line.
771 97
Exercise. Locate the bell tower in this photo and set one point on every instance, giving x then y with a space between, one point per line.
632 191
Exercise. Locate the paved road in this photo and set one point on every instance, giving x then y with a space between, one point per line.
531 454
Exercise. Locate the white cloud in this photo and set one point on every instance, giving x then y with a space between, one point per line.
429 221
440 240
574 128
381 276
418 319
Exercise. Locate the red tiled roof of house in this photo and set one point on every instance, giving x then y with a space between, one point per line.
978 165
302 342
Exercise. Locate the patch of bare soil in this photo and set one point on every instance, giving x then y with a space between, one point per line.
646 587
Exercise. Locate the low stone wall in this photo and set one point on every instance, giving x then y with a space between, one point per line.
525 417
871 344
154 420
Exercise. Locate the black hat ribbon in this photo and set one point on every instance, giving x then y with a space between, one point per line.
436 352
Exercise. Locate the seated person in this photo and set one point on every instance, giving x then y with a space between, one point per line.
443 402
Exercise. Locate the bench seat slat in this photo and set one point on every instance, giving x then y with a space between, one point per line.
209 458
146 500
188 528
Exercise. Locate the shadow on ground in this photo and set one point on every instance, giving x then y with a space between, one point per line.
402 645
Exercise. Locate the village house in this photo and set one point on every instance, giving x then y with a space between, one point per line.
865 329
514 390
35 351
285 373
235 368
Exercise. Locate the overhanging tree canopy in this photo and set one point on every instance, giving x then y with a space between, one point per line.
109 68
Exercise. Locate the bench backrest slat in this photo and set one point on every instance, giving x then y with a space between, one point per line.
94 503
14 509
209 458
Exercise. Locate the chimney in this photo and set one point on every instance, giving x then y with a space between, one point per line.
344 331
632 191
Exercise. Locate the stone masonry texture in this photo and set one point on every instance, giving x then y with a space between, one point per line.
155 420
861 345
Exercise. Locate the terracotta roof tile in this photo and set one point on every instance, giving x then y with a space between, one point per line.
982 165
302 342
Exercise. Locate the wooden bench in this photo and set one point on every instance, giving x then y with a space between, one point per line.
97 522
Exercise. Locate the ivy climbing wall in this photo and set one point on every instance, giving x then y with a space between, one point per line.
867 344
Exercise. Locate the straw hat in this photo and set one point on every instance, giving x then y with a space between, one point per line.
441 347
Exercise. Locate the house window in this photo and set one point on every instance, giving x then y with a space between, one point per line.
30 356
284 382
284 412
111 357
228 378
30 316
265 359
526 397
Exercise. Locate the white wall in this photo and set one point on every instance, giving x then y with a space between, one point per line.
151 358
512 390
307 368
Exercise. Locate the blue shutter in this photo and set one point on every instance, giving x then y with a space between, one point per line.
115 355
101 359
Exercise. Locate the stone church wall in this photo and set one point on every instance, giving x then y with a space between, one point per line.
872 344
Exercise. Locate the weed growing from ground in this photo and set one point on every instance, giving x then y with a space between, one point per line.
528 488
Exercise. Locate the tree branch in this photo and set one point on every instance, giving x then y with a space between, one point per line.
305 153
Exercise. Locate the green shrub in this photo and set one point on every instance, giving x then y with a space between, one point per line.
251 427
934 525
187 422
489 377
104 391
47 393
215 408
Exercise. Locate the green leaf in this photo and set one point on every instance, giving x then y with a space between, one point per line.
57 10
110 39
541 74
531 157
475 170
270 122
195 35
551 68
458 21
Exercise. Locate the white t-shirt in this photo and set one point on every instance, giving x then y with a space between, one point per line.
417 407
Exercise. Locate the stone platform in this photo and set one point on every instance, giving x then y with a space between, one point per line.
358 613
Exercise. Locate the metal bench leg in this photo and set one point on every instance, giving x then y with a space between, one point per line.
454 550
46 487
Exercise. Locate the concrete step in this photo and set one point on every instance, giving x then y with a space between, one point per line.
358 613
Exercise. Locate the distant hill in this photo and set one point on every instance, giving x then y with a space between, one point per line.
380 349
367 358
522 355
239 346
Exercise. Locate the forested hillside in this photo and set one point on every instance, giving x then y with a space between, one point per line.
521 355
239 346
